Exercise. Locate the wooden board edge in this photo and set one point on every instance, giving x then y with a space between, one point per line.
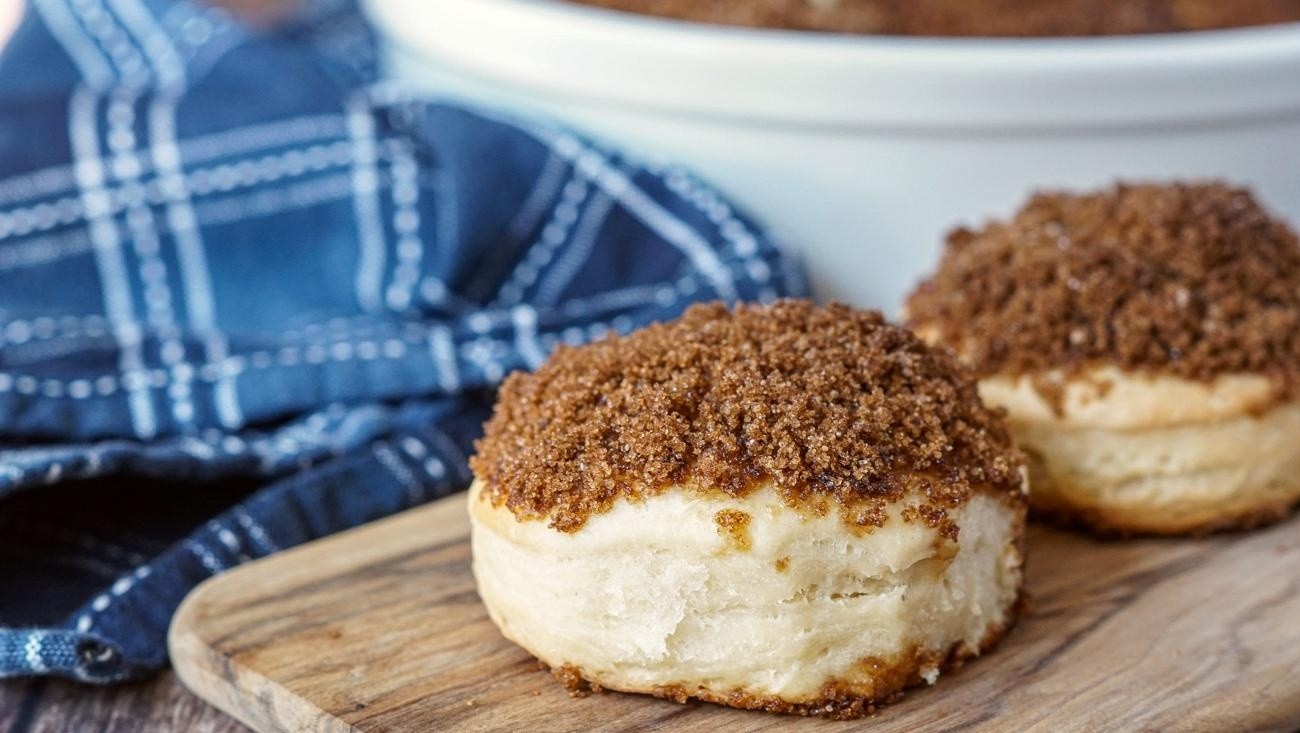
225 684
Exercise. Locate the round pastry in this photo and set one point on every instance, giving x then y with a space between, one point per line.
791 508
1145 341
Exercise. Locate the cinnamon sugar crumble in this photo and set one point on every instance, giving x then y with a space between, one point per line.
935 518
733 525
825 403
1192 280
570 677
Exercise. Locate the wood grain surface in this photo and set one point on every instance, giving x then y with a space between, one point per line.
380 629
154 706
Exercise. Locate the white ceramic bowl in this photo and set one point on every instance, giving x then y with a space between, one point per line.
863 151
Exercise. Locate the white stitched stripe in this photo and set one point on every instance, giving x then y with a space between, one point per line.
406 225
43 250
200 306
94 68
129 63
205 556
256 531
414 448
365 189
581 244
444 356
32 652
228 538
544 191
146 242
170 72
657 218
155 43
524 318
222 178
241 140
225 393
391 461
200 148
103 600
273 200
549 241
641 206
108 253
180 215
743 241
451 451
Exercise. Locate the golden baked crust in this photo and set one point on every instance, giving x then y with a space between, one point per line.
1107 524
845 621
1106 397
879 682
1122 523
1235 471
828 404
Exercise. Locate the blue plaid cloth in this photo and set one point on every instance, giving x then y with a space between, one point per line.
250 296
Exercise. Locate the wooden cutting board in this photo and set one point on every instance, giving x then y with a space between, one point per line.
380 629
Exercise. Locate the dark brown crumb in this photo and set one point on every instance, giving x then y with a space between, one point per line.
1191 280
782 564
933 517
571 678
974 17
733 525
826 403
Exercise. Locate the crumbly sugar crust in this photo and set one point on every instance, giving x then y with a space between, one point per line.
833 406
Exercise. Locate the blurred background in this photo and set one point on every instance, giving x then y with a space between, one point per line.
857 132
862 148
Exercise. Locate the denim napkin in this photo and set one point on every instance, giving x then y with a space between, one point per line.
251 296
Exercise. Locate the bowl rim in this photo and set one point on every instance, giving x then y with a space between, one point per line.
970 48
731 74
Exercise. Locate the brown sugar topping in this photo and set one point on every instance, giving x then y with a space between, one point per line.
826 403
1190 280
733 526
973 17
